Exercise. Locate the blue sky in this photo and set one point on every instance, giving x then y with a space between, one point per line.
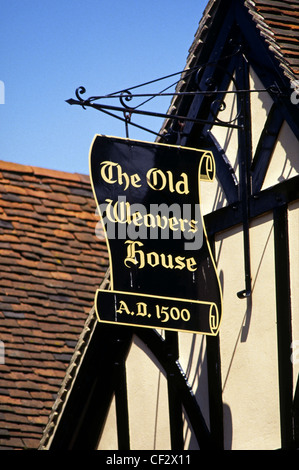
48 48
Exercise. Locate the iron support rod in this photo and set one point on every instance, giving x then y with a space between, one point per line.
245 156
101 107
181 93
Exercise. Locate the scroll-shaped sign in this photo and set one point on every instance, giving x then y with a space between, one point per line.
162 270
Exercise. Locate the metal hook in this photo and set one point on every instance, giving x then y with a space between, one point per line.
127 117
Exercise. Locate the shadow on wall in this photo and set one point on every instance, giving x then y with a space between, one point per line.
198 381
228 431
228 427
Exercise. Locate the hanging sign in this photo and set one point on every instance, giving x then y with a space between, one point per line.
162 270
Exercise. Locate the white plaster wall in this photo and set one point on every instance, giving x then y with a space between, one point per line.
192 349
108 439
147 399
248 341
261 103
147 404
285 159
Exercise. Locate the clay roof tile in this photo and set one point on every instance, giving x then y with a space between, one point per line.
51 263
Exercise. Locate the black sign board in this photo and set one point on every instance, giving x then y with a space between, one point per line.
163 274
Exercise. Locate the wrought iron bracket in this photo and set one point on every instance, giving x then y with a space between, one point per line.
129 111
210 91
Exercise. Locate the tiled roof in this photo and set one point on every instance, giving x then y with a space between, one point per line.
50 266
278 22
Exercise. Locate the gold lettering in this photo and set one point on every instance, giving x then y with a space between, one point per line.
153 259
153 181
135 179
106 172
121 212
170 181
184 184
136 218
108 210
134 256
182 224
121 177
123 308
172 223
180 262
170 261
149 220
164 314
138 258
158 181
160 220
190 262
141 309
193 227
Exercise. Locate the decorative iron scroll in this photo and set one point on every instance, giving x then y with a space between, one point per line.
162 270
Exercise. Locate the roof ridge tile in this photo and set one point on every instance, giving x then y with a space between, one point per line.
40 171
